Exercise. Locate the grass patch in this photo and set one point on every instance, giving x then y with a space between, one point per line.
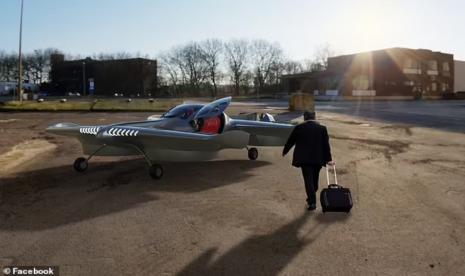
45 106
135 105
100 105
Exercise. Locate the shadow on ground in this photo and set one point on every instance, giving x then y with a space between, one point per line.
57 196
265 254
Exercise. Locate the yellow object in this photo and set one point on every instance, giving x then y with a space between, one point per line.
302 102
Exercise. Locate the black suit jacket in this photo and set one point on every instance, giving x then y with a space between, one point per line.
311 142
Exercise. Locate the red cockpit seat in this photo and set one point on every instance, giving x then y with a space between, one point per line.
211 125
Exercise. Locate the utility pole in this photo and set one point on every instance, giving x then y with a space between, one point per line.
84 78
20 60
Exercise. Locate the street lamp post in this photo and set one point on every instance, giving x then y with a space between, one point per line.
20 59
84 78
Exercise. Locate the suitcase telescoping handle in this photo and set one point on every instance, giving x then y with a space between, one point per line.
327 174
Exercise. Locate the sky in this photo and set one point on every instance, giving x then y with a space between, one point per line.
150 27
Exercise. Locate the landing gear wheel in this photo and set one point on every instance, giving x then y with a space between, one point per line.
80 164
253 153
156 171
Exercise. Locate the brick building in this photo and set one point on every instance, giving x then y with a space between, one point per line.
104 77
389 72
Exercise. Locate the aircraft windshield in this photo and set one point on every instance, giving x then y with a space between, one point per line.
183 111
214 108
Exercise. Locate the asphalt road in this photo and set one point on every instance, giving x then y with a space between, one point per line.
441 114
444 115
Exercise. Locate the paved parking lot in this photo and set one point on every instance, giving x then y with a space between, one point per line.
233 216
444 115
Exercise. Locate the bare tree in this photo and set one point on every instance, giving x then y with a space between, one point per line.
211 50
41 65
307 65
321 55
264 56
237 57
247 81
185 67
123 55
9 66
171 70
48 65
276 71
27 65
194 66
293 67
37 65
283 66
3 70
177 60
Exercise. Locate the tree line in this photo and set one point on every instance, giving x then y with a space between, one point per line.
36 66
239 66
197 68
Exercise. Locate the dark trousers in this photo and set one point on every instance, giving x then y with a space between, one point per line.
311 175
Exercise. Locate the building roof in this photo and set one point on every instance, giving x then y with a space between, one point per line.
90 60
392 49
311 75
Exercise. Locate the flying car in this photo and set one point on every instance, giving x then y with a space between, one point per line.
187 132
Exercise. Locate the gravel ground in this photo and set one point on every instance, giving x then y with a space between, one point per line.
233 216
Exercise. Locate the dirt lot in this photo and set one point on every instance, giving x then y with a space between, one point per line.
233 216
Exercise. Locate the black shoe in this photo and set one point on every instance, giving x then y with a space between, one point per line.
311 207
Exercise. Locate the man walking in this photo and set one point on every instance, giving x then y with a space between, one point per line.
312 151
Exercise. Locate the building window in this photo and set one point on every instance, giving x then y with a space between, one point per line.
432 65
332 83
444 87
433 86
432 68
361 82
445 69
409 83
445 66
411 66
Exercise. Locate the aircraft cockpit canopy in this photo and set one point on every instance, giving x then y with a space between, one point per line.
184 111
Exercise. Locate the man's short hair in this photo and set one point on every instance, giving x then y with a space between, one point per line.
309 115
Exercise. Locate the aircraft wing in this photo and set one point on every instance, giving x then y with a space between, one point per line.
263 133
86 135
154 138
124 139
262 128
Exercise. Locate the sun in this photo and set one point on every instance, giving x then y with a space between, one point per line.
370 25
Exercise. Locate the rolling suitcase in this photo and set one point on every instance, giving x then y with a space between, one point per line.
335 198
